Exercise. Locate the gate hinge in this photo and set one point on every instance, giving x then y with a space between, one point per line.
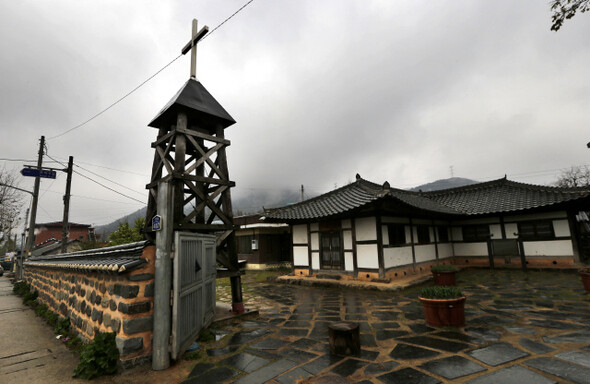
171 297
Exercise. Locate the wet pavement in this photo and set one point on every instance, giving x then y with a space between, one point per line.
520 328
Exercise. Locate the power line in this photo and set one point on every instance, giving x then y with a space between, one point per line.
109 180
102 185
145 81
110 169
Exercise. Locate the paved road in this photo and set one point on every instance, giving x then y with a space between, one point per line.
29 352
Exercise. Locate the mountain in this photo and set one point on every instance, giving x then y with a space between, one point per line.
452 182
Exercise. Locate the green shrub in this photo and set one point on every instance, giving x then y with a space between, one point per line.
51 318
441 292
41 310
62 327
206 335
98 358
30 297
443 268
21 288
75 344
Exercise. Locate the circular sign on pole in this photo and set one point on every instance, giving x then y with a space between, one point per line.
157 223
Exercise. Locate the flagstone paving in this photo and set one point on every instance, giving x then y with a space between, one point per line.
520 328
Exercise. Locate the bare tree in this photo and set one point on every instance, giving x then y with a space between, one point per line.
10 204
565 10
578 176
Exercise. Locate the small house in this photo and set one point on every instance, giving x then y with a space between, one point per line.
262 244
373 231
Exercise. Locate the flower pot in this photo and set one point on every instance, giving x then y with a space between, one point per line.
444 312
585 280
444 277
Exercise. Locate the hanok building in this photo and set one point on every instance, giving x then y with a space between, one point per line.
263 245
370 231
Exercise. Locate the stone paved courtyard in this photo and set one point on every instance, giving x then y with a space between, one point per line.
520 328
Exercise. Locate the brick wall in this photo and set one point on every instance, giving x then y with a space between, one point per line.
100 302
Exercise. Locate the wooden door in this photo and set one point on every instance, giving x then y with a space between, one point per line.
331 250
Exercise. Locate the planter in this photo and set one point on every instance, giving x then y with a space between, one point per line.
444 312
444 278
585 280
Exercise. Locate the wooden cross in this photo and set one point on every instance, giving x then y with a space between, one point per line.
192 45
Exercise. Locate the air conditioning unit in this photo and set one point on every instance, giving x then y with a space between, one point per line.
254 245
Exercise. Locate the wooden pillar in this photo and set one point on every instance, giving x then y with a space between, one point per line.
413 245
179 165
380 247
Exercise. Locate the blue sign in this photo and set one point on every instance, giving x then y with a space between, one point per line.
34 172
157 223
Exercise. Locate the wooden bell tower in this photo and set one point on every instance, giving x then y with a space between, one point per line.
190 151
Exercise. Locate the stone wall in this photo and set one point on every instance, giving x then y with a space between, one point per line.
97 301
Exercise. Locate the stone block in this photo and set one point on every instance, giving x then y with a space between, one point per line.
113 305
126 291
134 308
106 318
141 277
97 299
149 290
93 297
128 346
115 325
140 324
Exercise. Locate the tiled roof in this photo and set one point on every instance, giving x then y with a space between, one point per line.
503 196
497 196
117 259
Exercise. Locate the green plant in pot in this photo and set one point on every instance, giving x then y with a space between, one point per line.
585 275
443 306
443 274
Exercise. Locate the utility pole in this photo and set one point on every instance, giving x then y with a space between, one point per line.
31 238
302 193
64 233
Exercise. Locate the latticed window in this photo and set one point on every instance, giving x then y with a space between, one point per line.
536 230
423 234
397 234
443 233
479 232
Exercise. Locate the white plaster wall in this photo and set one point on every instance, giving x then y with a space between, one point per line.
300 234
346 224
347 238
384 234
414 233
496 231
315 241
445 250
366 256
457 233
431 234
348 262
561 228
409 234
314 227
511 229
471 249
366 228
315 260
395 257
300 256
548 248
425 252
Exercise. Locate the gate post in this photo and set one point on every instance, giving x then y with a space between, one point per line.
163 279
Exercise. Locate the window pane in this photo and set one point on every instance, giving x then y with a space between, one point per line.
423 234
397 234
443 234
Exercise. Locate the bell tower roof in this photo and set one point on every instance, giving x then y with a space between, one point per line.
200 106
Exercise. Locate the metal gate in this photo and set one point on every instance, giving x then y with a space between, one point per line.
194 272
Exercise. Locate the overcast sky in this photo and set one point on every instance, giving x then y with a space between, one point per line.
321 90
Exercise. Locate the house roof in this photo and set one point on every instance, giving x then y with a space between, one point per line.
197 103
118 259
60 224
497 196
